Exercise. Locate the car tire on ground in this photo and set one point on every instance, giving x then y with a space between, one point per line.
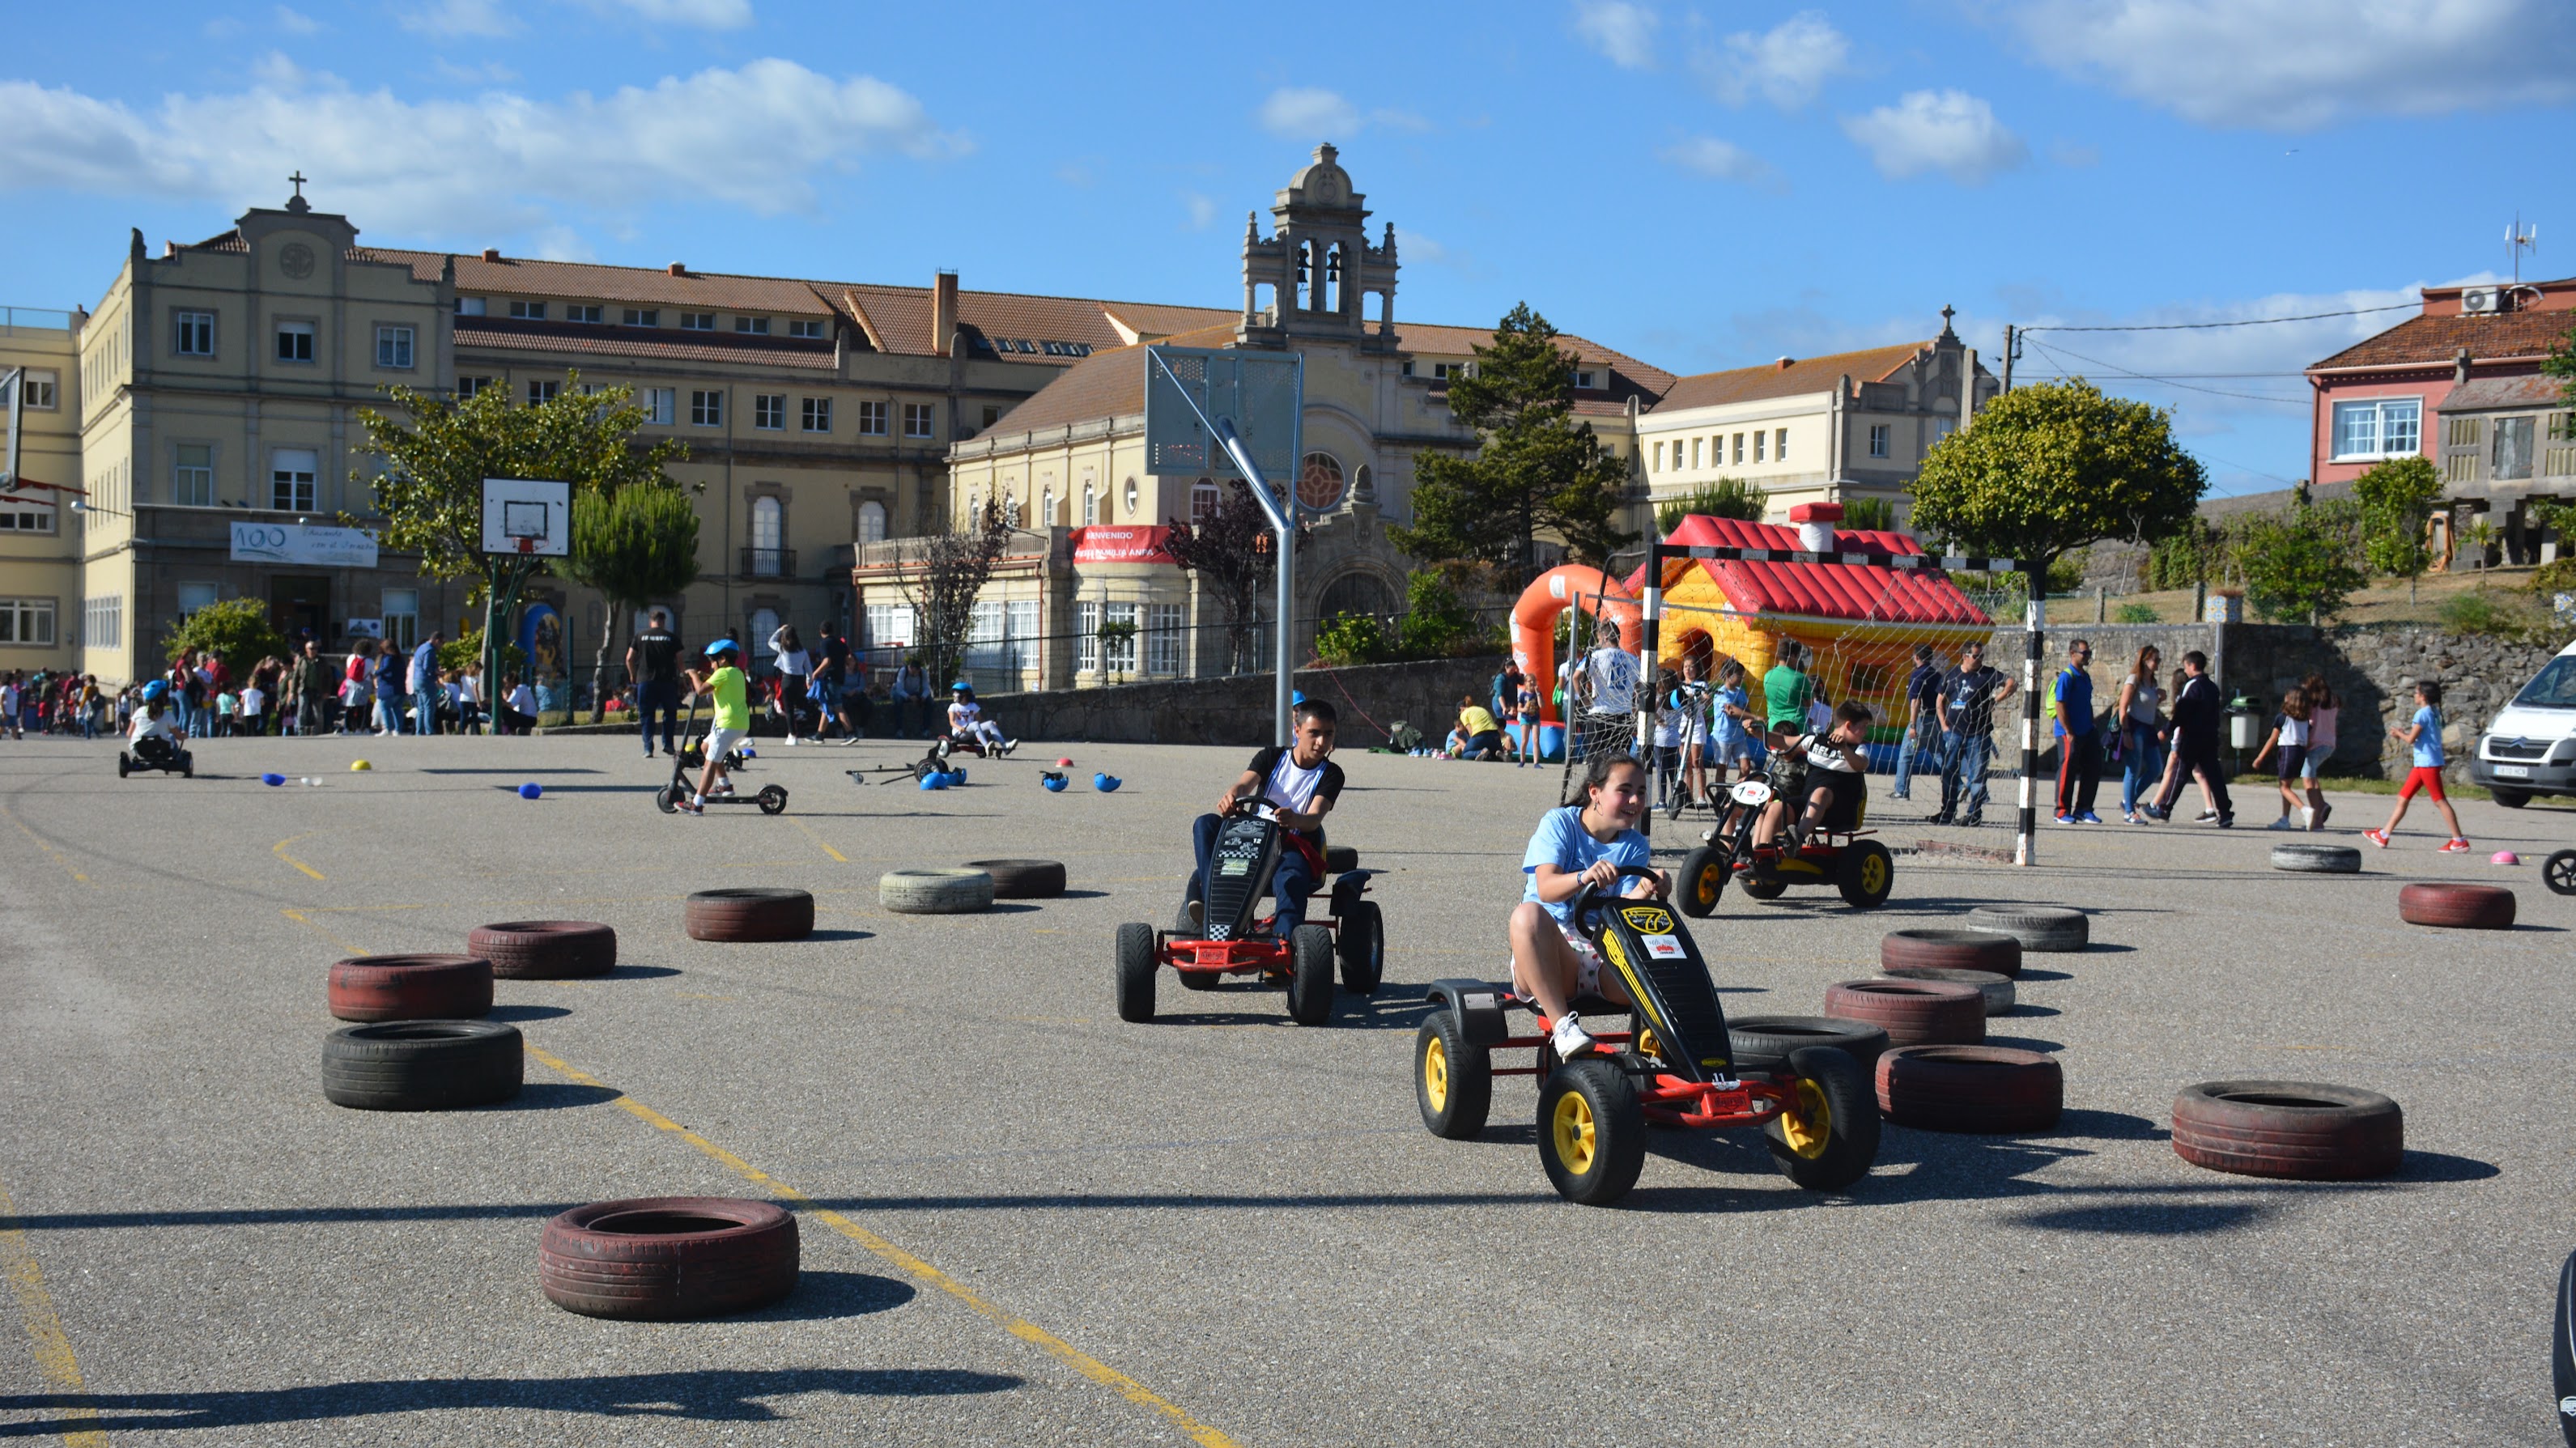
422 1065
2558 872
2310 859
1362 948
1310 975
1991 951
1828 1138
1997 989
1453 1082
935 892
1701 884
1023 879
749 914
2509 798
2456 906
1765 1043
544 949
1864 874
2297 1129
1133 971
668 1259
2037 927
1591 1132
1912 1012
409 988
1989 1089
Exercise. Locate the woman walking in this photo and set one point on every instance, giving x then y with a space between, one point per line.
2142 734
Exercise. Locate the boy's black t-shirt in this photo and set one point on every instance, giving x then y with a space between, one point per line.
1328 785
836 658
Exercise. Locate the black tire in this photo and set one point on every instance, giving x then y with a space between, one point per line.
1765 1043
1591 1132
544 949
422 1065
2558 872
1980 950
668 1259
748 913
1864 874
1134 971
666 801
1310 975
124 764
187 766
772 799
1997 989
2037 927
2562 1353
2307 859
1830 1139
2509 798
1362 947
1023 879
1453 1082
1761 889
2297 1129
1338 858
1702 882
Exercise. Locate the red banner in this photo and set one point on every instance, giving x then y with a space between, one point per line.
1121 545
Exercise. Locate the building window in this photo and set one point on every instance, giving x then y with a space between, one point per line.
1780 446
103 622
1086 637
192 476
581 313
1131 500
889 632
196 334
1090 505
1046 507
1203 502
752 326
916 419
768 523
542 392
769 411
1163 642
818 414
393 348
808 329
401 618
1878 436
872 419
1120 656
290 480
1659 457
658 404
872 521
1585 380
2510 461
697 321
295 341
20 516
2378 428
641 317
39 391
469 306
27 621
528 311
1319 482
1943 426
992 415
706 409
1739 448
1759 439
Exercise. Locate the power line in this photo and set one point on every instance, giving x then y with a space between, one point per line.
2169 382
2248 322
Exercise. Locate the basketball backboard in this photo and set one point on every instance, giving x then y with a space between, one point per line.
1188 388
530 516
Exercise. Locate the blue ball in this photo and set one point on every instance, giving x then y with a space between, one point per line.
531 790
1054 782
272 780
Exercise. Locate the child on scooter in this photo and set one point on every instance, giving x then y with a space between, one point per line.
1575 846
723 682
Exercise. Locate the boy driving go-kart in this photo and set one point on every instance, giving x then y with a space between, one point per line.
1824 777
1836 783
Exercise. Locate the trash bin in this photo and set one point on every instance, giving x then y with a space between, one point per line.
2244 727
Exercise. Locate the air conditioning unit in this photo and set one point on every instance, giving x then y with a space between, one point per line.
2481 301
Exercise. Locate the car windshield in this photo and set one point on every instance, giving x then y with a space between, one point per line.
2554 688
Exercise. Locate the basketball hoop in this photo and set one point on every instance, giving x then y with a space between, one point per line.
527 545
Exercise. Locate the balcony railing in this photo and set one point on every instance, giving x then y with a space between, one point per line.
769 563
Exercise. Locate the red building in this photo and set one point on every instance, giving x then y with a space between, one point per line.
2459 383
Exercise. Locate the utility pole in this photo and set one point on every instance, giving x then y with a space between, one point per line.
2010 336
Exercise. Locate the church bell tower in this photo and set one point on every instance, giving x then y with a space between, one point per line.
1319 265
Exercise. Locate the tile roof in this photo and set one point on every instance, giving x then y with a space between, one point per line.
2479 394
2434 340
527 277
500 334
1851 591
1152 320
1807 374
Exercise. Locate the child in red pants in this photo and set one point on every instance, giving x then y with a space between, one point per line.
2424 736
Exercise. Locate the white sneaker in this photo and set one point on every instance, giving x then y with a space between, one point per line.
2283 823
1570 1039
791 741
2307 817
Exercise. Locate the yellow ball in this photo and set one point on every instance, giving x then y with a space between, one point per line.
356 765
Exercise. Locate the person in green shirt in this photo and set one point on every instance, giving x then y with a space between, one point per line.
722 681
1787 692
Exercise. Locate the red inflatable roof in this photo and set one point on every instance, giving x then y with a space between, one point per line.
1852 591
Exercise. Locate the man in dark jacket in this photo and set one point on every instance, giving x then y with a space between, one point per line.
2197 712
653 662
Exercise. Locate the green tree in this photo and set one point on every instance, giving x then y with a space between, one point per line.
1869 515
235 630
2052 467
2397 498
1437 622
1716 498
634 545
1536 469
430 491
2300 562
1230 553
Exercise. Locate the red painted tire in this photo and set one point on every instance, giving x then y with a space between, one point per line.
1991 951
2457 907
1970 1088
410 988
1023 879
2295 1129
1912 1012
663 1259
544 949
749 914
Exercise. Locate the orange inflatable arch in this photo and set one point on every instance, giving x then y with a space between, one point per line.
1575 586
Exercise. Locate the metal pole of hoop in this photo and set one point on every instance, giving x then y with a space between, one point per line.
1650 610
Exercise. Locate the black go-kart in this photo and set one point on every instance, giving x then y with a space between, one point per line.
154 752
692 758
1673 1066
1232 941
1837 854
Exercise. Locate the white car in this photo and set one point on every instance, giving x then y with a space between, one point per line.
2531 747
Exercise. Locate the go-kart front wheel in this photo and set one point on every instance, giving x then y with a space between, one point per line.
1702 882
1828 1137
1453 1082
1310 975
1591 1132
124 764
1363 948
187 765
1135 972
1865 873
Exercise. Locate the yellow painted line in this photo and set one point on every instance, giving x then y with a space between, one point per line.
307 921
279 850
45 1340
59 857
818 839
915 1267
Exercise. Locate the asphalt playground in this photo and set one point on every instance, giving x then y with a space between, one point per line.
1026 1222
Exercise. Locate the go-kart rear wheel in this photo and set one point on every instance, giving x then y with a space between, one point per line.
1362 948
1135 972
667 799
1865 873
1702 882
1310 975
772 798
1828 1137
1453 1082
1591 1132
124 764
187 765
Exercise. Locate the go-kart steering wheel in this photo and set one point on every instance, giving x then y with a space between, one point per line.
1587 899
1255 806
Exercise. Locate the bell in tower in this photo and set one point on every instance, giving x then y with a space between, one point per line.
1318 265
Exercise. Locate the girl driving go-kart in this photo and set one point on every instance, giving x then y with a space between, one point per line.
1575 847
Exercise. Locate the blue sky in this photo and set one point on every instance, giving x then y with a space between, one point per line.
1704 187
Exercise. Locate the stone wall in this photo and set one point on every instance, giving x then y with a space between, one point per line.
1237 710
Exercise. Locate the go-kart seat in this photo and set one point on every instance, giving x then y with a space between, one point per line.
1849 809
155 751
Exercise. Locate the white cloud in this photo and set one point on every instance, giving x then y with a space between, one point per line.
2295 65
2074 154
295 22
1785 65
1308 113
705 14
458 19
1948 131
1622 31
1202 210
1720 161
1413 246
1400 121
758 137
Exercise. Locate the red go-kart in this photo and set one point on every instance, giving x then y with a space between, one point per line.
1222 937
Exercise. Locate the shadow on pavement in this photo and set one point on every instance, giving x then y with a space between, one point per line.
553 1096
525 1013
823 1296
639 972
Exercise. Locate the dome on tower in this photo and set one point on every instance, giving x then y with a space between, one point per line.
1323 182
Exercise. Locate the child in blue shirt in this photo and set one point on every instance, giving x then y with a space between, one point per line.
1575 846
2423 737
1732 741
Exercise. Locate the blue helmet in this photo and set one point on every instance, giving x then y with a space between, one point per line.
721 646
155 691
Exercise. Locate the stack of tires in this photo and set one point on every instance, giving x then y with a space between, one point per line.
420 1045
1938 990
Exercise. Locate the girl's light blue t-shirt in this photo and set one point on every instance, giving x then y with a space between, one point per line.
2428 742
1562 841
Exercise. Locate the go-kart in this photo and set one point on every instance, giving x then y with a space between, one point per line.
155 752
1673 1066
1836 855
1232 942
692 758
